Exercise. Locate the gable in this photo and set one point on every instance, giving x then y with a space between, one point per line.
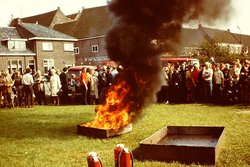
92 22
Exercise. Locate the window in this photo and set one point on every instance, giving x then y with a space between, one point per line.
17 45
47 46
94 48
47 64
31 64
14 65
76 50
68 47
11 45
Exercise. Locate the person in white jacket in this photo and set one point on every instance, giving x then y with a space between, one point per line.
55 87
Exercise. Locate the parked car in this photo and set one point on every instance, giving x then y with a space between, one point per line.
77 71
180 60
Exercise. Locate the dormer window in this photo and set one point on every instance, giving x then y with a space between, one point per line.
16 45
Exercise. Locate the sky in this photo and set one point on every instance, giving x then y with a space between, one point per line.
238 23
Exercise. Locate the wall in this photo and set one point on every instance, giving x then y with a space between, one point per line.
85 49
60 56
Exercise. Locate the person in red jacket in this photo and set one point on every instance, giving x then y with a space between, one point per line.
84 85
196 82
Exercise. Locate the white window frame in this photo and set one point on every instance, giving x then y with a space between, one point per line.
68 47
94 48
16 45
49 64
76 50
31 63
47 46
19 64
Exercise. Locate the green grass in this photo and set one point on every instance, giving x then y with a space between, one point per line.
47 135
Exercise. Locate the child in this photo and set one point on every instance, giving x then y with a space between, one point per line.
72 84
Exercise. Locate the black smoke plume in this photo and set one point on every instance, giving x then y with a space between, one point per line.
144 29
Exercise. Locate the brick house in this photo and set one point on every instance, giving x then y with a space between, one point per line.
53 48
191 40
41 48
222 38
14 52
90 29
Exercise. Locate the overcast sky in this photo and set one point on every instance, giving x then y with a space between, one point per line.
239 23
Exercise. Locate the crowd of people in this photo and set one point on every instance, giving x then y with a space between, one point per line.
55 88
212 82
18 89
219 83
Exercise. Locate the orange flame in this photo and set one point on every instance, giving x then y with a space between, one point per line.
115 112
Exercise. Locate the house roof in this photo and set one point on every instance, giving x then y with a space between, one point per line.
72 16
220 36
44 32
191 37
48 19
68 28
44 19
93 22
11 32
243 39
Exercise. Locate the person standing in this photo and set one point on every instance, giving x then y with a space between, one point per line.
190 84
39 88
1 87
207 75
83 85
64 83
197 85
88 76
72 87
102 84
243 82
55 86
7 89
218 84
176 94
94 88
109 77
17 78
28 82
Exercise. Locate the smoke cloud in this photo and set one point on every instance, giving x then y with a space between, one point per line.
144 29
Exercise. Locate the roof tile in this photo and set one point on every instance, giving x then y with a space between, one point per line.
42 31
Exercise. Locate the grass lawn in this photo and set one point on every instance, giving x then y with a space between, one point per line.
47 135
